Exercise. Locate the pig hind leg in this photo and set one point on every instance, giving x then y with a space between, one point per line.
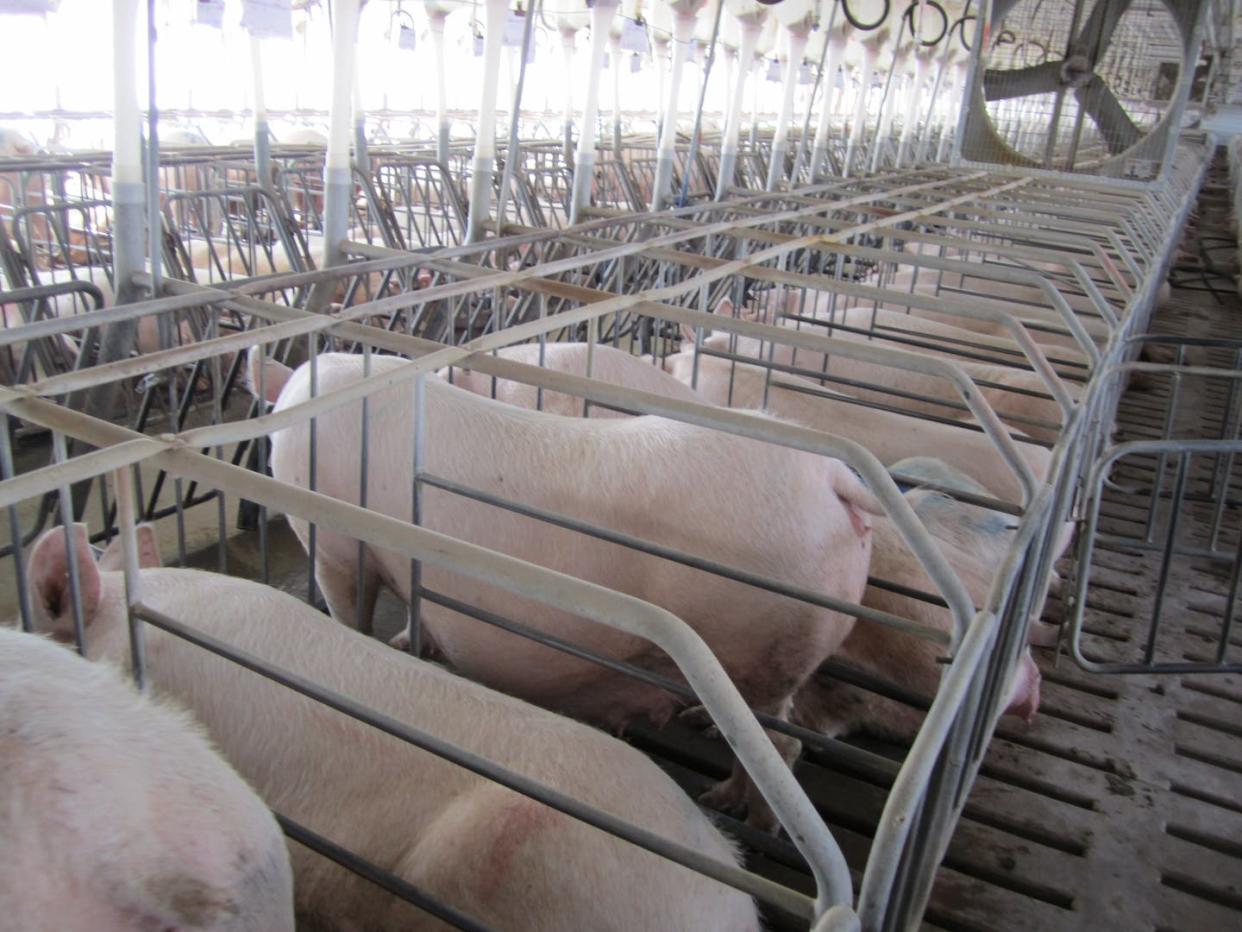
739 791
339 583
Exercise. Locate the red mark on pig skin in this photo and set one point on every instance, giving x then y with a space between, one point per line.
858 521
514 824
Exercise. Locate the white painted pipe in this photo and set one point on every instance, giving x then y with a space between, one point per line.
683 34
436 20
584 168
361 157
733 124
660 54
567 47
796 45
615 51
485 142
860 107
756 85
128 198
819 152
887 106
262 136
337 178
912 110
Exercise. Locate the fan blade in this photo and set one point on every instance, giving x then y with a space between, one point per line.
1099 103
1022 82
1097 31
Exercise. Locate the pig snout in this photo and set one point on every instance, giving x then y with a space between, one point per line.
1024 693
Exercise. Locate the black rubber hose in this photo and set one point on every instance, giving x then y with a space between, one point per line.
958 25
865 27
944 21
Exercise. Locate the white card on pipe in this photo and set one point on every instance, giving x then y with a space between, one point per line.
634 37
268 19
209 13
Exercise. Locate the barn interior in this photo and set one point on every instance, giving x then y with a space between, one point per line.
403 309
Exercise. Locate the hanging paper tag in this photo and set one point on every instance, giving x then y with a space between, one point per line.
806 75
268 19
607 61
634 37
405 38
210 13
774 70
515 25
35 7
478 46
636 63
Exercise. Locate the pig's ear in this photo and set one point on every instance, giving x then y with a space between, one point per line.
687 335
725 307
273 376
148 551
48 573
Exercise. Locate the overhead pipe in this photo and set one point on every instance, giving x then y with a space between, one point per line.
584 166
819 152
683 35
871 51
337 174
751 25
795 39
484 165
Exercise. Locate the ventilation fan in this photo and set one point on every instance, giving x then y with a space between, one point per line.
1087 86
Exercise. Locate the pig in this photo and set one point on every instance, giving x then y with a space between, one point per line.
1036 416
1027 303
610 365
970 537
885 322
118 814
804 519
502 858
834 707
888 435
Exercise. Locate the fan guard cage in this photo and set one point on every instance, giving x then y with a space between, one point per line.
1092 87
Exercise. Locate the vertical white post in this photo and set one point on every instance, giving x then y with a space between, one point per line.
584 167
361 157
733 124
337 180
912 109
683 35
659 53
484 164
262 135
435 21
796 46
567 46
870 53
615 50
128 202
819 152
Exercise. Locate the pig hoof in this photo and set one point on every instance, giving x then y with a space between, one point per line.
728 796
401 641
761 818
698 718
1043 634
